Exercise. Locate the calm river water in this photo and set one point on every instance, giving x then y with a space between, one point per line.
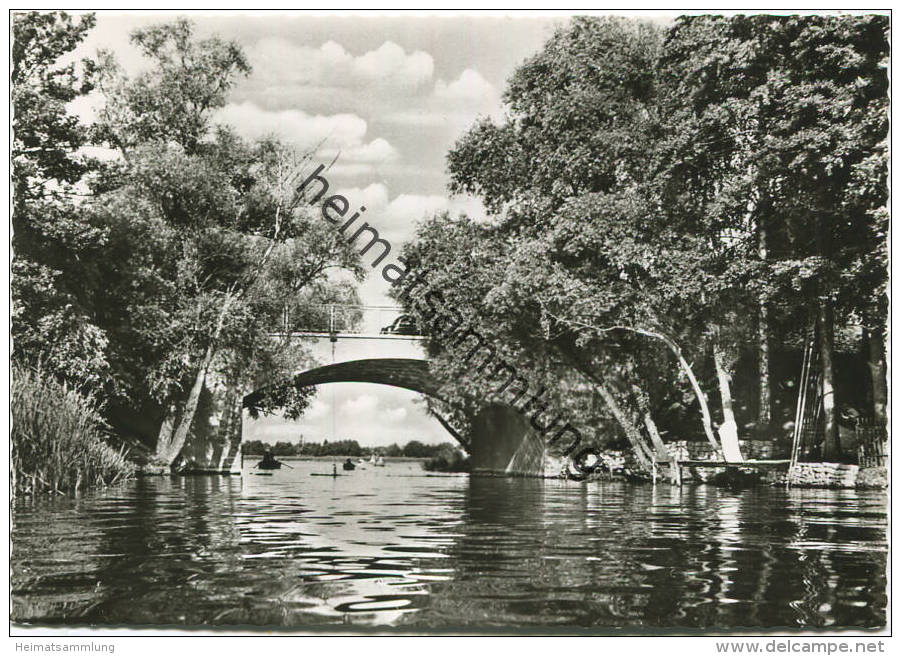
389 546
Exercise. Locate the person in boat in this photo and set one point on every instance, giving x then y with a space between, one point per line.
349 465
268 458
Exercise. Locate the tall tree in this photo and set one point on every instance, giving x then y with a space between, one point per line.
683 188
220 210
173 101
51 239
779 116
579 195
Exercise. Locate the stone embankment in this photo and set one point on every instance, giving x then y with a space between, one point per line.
817 474
832 475
872 478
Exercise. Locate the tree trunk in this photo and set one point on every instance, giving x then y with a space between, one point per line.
764 412
226 418
729 429
657 450
164 437
230 433
642 452
706 419
632 433
831 444
876 364
662 452
453 431
173 447
825 325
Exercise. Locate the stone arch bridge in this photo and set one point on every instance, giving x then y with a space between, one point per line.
501 440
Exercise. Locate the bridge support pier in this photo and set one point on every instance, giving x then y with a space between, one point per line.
503 442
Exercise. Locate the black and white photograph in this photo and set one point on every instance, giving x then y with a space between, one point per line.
440 322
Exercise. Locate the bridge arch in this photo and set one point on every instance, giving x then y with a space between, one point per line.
406 373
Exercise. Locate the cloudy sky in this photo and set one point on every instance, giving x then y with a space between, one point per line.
391 95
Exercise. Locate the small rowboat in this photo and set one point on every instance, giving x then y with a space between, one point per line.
269 465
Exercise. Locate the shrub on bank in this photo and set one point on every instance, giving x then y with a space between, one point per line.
57 438
448 460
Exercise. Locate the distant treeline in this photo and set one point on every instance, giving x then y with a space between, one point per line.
352 448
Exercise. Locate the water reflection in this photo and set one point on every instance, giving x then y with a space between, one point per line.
391 547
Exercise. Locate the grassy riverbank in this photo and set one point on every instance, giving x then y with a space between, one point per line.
57 438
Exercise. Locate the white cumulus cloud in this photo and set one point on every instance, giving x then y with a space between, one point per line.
375 152
469 86
391 64
333 133
374 197
340 130
452 105
280 62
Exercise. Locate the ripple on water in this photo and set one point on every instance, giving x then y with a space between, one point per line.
386 547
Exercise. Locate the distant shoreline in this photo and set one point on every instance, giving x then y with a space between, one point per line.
342 458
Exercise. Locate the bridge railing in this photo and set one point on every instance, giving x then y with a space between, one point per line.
352 319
